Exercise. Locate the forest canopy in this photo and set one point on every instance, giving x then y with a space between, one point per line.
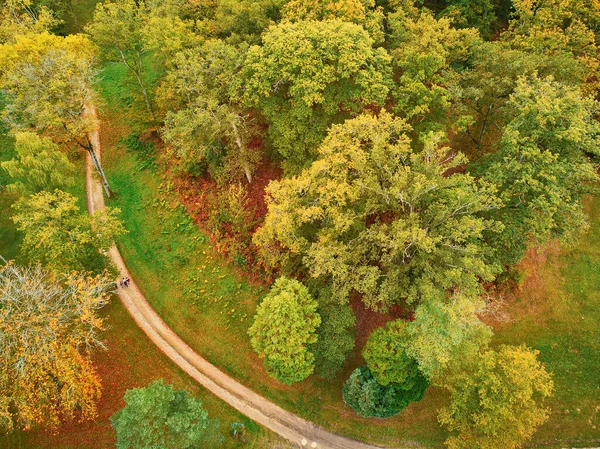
389 157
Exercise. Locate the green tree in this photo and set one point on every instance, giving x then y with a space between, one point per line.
118 29
39 165
445 333
308 75
335 335
70 14
284 325
361 12
480 14
498 401
386 356
57 235
373 216
239 21
202 122
167 31
370 399
481 91
541 169
161 417
556 28
48 325
49 81
424 52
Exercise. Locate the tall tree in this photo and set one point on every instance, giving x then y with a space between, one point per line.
39 165
202 119
335 335
70 14
19 17
48 325
542 168
168 30
559 27
373 216
160 417
308 75
361 12
284 325
239 21
49 83
57 235
445 333
424 53
480 91
118 29
480 14
498 401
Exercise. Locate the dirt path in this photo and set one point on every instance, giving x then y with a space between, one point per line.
298 431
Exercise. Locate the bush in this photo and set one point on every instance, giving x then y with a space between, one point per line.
386 357
370 399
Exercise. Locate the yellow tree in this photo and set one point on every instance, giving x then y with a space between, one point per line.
39 165
48 80
57 235
48 325
20 17
361 12
373 216
309 75
559 27
498 401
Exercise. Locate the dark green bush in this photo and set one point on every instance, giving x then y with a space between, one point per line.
369 399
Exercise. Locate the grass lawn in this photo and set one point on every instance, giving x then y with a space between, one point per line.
211 307
557 313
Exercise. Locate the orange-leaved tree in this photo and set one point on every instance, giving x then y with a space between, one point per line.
48 325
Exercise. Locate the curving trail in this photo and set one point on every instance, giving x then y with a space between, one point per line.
294 429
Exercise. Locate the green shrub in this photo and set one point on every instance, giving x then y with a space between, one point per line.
370 399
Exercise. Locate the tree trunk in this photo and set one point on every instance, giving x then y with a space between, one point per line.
91 137
138 76
100 171
242 149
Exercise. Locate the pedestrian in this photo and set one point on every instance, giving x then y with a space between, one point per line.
127 281
122 283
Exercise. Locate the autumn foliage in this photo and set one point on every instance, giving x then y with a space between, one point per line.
48 326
